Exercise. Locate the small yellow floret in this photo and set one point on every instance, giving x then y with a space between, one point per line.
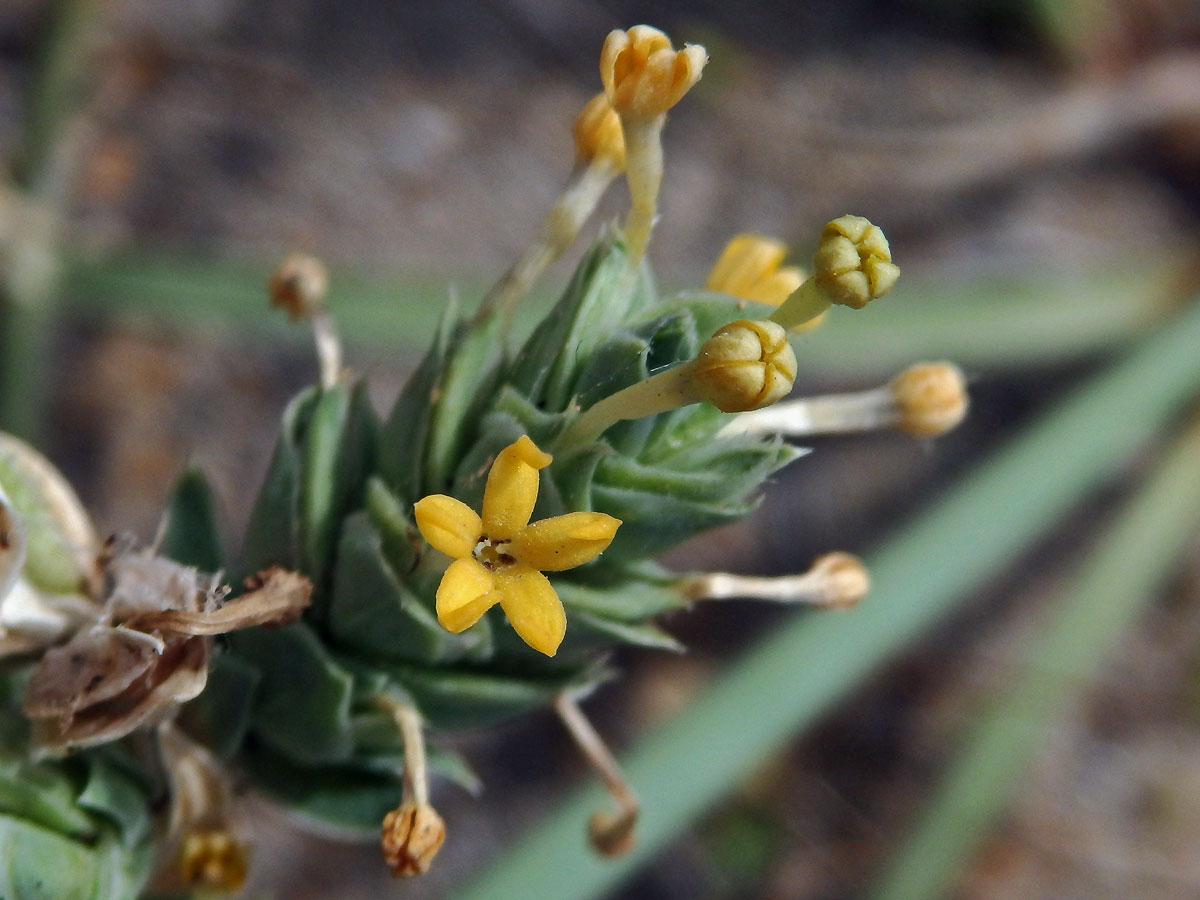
499 557
643 75
412 836
853 264
598 133
745 365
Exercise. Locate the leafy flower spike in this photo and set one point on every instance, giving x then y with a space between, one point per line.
499 557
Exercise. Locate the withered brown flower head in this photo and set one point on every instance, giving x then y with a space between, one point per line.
150 649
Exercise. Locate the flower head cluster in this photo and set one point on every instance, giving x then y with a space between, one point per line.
499 557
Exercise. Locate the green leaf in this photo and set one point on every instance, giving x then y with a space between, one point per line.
623 599
111 793
461 698
604 632
404 439
54 520
349 799
44 795
273 537
337 458
302 705
37 864
599 296
191 536
468 379
372 612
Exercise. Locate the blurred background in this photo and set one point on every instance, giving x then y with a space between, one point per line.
1036 166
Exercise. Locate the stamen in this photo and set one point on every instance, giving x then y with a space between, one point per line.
610 834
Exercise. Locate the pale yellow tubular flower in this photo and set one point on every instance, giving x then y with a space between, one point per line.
835 580
499 556
925 400
852 266
643 77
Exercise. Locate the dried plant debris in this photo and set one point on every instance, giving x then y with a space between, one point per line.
150 650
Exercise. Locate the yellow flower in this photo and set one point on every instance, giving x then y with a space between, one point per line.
499 557
750 269
643 74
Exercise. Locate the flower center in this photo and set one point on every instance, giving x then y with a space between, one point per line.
491 554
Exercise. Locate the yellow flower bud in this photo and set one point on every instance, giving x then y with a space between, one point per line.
213 859
299 286
643 75
853 264
598 133
745 365
931 398
412 836
843 579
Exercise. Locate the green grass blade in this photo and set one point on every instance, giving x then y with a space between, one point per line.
796 674
1116 583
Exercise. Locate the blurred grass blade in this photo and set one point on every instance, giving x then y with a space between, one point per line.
999 323
1116 583
797 673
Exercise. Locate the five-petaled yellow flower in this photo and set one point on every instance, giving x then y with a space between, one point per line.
499 557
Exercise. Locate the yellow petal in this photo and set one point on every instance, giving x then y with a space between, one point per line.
448 524
512 489
745 261
564 542
773 289
464 595
532 607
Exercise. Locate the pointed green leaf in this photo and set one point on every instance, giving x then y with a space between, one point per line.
191 536
302 705
273 536
404 439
